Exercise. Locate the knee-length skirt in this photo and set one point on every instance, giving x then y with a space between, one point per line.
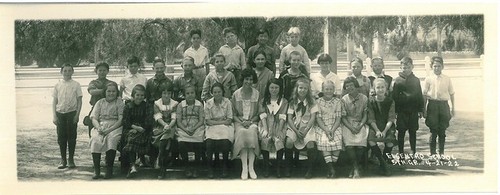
102 143
245 138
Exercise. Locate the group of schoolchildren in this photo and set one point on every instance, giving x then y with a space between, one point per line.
241 109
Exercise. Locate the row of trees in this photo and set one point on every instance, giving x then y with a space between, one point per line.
53 42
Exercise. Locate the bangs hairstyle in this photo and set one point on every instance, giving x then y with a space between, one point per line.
112 84
219 55
351 80
406 61
219 85
138 87
267 94
294 53
259 51
67 65
167 88
325 58
358 60
195 32
379 80
189 86
102 64
327 82
309 98
247 72
133 59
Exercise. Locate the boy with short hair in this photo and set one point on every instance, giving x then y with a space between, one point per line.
186 78
294 36
378 72
66 107
200 55
234 54
438 90
407 95
262 44
156 84
130 80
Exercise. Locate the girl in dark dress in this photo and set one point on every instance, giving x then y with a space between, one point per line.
137 125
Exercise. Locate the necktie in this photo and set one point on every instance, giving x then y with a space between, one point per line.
301 108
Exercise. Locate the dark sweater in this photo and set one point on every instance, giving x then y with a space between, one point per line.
407 94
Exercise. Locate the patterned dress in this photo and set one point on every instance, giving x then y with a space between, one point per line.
189 116
354 109
329 111
273 114
139 115
107 113
301 116
222 111
167 113
246 109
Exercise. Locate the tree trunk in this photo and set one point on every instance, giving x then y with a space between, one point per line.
369 46
332 50
381 45
439 29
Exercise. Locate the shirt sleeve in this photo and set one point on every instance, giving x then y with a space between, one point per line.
282 112
314 109
157 113
173 115
290 109
307 62
96 112
229 109
208 114
243 60
205 95
78 90
451 91
426 86
55 91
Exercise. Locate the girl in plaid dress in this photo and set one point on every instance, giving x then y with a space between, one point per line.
137 125
190 129
328 130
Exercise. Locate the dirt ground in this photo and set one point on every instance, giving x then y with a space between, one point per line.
38 153
38 156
